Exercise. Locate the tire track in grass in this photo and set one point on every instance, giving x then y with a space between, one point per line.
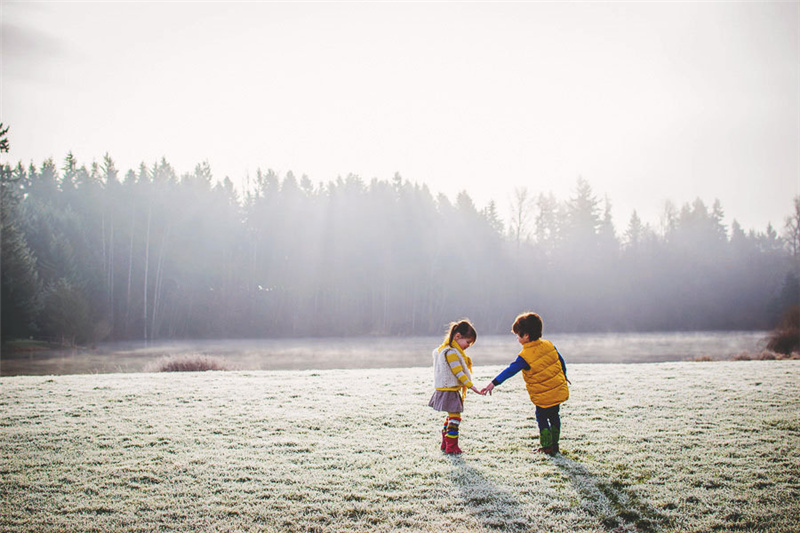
617 508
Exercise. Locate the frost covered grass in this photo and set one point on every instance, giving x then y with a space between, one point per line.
652 447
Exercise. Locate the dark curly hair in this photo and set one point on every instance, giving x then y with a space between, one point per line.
530 324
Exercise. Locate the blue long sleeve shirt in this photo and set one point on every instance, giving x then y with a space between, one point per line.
520 364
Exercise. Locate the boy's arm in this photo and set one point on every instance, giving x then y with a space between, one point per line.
563 365
511 371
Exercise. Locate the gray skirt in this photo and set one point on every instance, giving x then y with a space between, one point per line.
447 400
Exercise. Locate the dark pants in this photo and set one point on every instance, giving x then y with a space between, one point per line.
548 418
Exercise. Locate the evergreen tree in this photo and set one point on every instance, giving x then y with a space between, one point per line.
635 233
20 283
583 218
493 218
66 314
548 224
606 233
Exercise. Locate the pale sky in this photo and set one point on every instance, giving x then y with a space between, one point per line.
647 101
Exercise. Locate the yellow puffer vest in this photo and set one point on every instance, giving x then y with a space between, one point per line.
547 385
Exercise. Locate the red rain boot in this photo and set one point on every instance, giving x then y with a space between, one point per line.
451 446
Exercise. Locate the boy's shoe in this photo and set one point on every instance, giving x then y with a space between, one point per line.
451 446
556 434
546 441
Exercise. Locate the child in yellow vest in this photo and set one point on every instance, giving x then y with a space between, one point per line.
545 374
452 376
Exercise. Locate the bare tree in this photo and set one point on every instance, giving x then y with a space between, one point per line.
520 215
792 230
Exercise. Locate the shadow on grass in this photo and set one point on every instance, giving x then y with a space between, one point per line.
611 501
496 509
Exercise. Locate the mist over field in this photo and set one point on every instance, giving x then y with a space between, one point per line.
369 352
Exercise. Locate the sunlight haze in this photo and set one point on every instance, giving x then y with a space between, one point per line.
648 102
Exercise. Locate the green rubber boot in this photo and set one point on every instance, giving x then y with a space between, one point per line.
546 440
556 434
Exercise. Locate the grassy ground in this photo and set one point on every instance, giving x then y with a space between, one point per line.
653 447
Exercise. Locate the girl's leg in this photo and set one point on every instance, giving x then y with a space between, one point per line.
444 431
451 438
453 422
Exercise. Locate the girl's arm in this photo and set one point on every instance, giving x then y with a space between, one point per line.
458 368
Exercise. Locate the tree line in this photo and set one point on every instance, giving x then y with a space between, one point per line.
94 254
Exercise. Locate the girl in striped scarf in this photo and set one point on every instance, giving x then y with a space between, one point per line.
452 373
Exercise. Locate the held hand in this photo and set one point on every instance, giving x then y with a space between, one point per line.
475 389
488 389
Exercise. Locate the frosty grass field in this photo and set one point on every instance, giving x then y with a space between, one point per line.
649 447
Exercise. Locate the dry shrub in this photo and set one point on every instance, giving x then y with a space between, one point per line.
187 363
785 338
766 355
784 341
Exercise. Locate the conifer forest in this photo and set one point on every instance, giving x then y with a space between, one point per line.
92 254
